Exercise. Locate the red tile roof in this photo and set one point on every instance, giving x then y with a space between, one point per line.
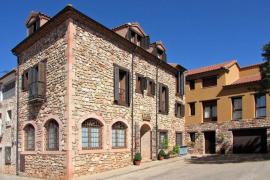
211 68
247 79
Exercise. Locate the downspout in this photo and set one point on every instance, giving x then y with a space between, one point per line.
17 125
157 90
132 106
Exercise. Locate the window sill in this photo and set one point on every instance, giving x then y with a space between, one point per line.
28 152
120 150
121 104
53 152
150 95
90 151
209 87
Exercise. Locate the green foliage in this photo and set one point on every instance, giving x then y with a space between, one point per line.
161 153
165 143
176 149
138 157
265 69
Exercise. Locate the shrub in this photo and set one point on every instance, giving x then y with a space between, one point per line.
176 149
138 157
165 144
161 153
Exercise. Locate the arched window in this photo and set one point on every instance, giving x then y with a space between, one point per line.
91 134
119 139
29 137
52 135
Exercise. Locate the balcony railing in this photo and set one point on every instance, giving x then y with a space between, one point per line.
37 91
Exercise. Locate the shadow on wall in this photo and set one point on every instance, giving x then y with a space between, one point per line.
229 158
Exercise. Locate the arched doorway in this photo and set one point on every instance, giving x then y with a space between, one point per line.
146 142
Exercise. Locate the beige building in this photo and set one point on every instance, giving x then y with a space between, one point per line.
90 97
224 113
8 122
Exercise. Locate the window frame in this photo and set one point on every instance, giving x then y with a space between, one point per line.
97 125
151 87
26 137
260 107
162 132
117 93
191 85
210 81
179 109
210 104
8 156
176 140
235 109
116 135
163 99
192 111
56 135
192 136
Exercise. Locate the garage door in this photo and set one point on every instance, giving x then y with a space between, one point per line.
249 141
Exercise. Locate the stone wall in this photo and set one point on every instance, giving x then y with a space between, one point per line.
8 128
224 135
52 48
93 96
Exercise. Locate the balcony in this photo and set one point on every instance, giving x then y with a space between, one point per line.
37 91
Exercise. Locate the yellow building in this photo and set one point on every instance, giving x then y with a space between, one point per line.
224 113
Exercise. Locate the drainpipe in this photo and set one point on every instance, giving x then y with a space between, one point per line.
17 125
157 108
132 106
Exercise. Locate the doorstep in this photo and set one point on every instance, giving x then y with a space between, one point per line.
130 169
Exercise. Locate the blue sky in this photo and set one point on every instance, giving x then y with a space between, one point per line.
196 33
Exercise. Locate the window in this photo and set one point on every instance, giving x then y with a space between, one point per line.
8 90
178 139
160 53
119 135
91 134
210 111
179 110
29 138
191 84
25 81
141 84
237 108
163 139
210 81
163 99
9 116
134 37
180 83
7 155
260 101
151 88
192 136
121 86
192 108
52 135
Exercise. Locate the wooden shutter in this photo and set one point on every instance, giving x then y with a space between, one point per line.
144 84
128 36
116 84
145 42
182 113
167 100
128 88
153 88
182 83
160 97
176 109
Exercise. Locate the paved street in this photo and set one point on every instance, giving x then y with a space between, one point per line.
197 168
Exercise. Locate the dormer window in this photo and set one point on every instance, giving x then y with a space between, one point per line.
135 38
34 26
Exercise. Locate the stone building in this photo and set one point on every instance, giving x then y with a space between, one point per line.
90 97
8 122
224 111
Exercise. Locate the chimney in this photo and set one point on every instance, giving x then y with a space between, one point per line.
35 21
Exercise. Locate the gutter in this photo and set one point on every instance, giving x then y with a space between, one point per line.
17 125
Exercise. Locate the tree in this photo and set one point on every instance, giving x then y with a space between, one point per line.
265 69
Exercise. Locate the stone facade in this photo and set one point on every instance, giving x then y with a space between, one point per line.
8 119
80 57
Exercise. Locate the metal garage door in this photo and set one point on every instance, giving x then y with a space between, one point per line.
249 141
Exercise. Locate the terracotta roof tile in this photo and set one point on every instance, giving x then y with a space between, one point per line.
247 79
211 68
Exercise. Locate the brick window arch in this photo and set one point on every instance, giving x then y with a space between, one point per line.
119 135
29 138
52 135
91 134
